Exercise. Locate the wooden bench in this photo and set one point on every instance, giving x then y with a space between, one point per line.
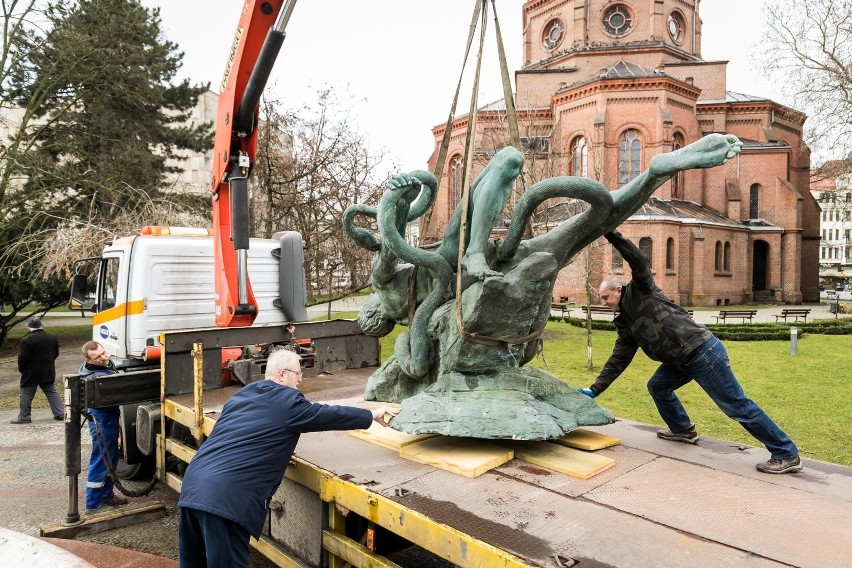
563 308
600 310
742 314
794 313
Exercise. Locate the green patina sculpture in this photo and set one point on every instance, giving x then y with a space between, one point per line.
446 382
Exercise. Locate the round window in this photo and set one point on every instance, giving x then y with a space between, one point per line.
554 32
677 27
617 20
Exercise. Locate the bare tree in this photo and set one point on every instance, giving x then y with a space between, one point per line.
809 44
311 165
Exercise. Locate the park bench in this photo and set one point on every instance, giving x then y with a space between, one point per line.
725 315
794 313
600 310
561 307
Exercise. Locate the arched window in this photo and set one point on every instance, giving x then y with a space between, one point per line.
456 174
726 262
629 156
677 180
647 247
717 266
670 254
617 260
579 157
754 201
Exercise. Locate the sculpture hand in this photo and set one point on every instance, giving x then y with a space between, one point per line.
588 392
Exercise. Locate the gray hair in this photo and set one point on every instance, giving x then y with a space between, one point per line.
281 359
613 283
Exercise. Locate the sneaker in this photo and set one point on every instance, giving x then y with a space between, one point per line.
790 465
689 436
115 500
19 421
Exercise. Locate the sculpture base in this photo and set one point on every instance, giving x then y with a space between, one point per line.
512 403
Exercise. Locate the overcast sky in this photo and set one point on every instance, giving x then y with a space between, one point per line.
396 63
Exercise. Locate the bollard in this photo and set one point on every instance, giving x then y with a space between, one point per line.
794 338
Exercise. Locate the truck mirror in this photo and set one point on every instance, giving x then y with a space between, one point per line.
79 293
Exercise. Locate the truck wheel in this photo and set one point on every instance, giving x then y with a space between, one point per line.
142 470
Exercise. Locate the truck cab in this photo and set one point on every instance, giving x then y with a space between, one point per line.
163 280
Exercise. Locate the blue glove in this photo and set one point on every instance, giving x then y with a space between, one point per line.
588 392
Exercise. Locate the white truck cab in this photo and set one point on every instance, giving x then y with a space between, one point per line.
163 280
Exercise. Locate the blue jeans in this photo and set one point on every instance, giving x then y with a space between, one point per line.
206 540
98 483
710 368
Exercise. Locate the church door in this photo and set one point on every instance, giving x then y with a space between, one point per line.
761 261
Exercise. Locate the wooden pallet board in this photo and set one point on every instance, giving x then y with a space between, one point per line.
388 437
470 457
587 440
569 461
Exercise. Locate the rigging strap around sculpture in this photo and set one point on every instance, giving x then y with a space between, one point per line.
466 191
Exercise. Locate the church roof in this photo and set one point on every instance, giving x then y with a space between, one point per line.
621 70
626 70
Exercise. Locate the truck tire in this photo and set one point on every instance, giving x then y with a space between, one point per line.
132 463
136 471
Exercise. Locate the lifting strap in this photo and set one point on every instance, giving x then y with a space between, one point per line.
466 181
480 12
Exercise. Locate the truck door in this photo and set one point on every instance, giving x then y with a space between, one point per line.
110 321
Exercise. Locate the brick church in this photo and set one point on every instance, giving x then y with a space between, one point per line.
608 84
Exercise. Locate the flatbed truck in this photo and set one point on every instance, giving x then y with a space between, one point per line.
345 501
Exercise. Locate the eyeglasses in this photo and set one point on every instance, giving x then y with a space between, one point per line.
292 371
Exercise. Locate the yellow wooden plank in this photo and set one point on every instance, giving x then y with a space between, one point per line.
388 437
565 460
587 440
470 457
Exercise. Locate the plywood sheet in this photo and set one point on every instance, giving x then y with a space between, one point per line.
569 461
587 440
470 457
388 437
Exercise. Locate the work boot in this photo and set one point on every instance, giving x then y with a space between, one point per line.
19 421
115 501
688 436
790 465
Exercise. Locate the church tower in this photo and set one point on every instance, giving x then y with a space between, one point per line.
608 84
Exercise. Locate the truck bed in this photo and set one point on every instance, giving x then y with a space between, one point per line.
662 504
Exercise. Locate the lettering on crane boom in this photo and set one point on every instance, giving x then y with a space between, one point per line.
231 56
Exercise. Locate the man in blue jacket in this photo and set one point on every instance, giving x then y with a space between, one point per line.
230 481
646 318
103 427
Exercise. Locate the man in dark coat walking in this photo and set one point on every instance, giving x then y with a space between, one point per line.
37 355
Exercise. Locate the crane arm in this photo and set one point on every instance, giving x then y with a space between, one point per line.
256 44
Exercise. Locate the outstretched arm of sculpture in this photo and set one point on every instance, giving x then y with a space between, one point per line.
560 240
488 196
708 152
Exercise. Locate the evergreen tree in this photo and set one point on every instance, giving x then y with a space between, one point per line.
109 112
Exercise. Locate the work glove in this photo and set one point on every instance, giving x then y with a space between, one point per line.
588 392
